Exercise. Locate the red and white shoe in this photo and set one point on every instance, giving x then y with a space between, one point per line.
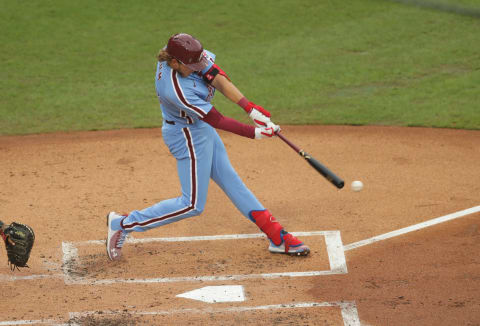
116 236
290 245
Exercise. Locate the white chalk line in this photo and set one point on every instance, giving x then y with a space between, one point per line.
348 310
13 278
238 277
32 322
131 239
412 228
336 254
333 242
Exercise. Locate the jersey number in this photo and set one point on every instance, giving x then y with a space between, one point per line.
160 71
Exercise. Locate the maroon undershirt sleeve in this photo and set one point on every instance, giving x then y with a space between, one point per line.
218 121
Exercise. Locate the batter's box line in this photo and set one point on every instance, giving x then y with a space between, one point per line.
348 310
333 241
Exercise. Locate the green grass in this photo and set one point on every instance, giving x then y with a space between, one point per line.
89 65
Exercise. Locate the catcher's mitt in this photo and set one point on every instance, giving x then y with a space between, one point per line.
19 240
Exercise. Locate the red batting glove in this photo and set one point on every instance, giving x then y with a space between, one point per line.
250 106
258 114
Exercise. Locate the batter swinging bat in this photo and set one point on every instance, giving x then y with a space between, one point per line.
322 169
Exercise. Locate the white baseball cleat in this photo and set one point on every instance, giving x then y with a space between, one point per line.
290 245
116 236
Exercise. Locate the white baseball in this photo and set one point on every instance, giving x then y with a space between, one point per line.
357 185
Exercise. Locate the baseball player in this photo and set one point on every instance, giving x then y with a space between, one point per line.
186 79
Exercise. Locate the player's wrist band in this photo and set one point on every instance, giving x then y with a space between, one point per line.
243 103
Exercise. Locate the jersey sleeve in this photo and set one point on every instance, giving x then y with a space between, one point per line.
217 120
210 59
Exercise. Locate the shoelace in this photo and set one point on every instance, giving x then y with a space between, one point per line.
287 240
121 240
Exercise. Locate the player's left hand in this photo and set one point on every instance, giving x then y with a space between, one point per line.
258 114
267 132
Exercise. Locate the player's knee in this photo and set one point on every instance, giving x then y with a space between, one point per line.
197 211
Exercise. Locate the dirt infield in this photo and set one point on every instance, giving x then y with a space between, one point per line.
64 184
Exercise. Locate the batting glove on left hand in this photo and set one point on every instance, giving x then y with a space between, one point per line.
267 132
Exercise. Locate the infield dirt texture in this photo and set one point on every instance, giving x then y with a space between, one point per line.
64 184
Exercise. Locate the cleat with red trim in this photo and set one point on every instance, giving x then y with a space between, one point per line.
290 245
280 240
116 235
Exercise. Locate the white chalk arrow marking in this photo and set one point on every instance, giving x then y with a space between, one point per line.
214 294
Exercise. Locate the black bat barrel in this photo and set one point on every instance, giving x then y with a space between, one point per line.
323 170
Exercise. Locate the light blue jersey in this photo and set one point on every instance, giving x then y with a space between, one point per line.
184 100
198 149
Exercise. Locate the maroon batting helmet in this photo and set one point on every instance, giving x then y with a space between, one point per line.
188 50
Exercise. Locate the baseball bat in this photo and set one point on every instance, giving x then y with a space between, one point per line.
322 169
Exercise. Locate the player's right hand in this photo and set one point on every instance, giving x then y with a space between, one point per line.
259 115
